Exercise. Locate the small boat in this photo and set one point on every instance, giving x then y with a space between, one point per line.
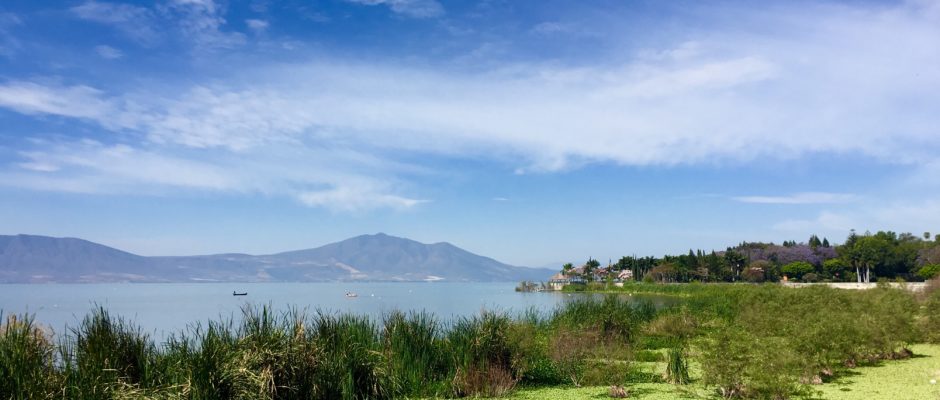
351 294
234 293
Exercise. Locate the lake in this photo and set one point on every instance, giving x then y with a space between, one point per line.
164 308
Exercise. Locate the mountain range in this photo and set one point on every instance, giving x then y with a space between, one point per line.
379 257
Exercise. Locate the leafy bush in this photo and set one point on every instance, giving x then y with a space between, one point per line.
740 364
797 269
929 271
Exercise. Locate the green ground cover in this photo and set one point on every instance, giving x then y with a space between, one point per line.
890 380
743 341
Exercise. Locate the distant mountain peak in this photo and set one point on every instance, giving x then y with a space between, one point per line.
375 257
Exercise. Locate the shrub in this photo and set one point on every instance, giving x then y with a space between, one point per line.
481 351
415 350
26 360
740 364
797 269
929 271
811 277
677 368
107 353
931 317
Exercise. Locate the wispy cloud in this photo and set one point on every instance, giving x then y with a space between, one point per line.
356 199
800 198
8 43
410 8
551 27
258 26
826 222
68 101
108 52
201 22
903 216
727 97
334 179
136 22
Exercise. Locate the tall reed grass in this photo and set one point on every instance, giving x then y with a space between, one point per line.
751 341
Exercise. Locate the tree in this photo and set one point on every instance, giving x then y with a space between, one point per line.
825 243
757 271
797 269
589 267
835 268
567 268
665 272
735 262
814 242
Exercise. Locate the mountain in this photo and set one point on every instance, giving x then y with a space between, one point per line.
379 257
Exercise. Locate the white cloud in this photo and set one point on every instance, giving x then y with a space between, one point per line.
201 22
9 44
411 8
838 83
257 25
91 167
331 178
800 198
136 22
551 27
900 216
67 101
108 52
823 89
348 198
827 221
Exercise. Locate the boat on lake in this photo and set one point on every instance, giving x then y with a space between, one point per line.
234 293
351 294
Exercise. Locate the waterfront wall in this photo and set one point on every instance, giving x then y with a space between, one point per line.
912 286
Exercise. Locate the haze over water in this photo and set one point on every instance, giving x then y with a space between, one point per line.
162 309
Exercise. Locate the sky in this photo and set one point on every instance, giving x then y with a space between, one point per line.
533 132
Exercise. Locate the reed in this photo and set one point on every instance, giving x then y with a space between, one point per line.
751 341
26 360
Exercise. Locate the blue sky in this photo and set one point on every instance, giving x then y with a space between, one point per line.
534 132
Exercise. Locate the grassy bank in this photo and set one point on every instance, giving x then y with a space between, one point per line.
900 379
739 341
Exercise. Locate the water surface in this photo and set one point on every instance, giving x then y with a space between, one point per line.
165 308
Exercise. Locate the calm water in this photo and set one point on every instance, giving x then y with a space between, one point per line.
167 308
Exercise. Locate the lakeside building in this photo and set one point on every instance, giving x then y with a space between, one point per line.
559 280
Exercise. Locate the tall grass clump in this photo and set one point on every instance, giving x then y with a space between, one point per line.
613 317
26 360
482 355
416 354
105 355
351 363
677 367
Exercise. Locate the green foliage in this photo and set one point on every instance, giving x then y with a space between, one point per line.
677 368
26 360
835 268
929 271
105 354
931 321
753 341
740 364
797 269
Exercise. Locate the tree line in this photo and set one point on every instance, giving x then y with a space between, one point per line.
864 257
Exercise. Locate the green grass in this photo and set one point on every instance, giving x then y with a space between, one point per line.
748 340
890 380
